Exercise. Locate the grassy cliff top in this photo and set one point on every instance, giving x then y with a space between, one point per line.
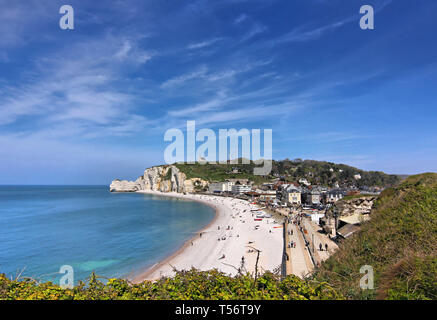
399 242
316 172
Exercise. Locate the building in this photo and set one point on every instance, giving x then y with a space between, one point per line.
291 195
240 188
304 182
268 195
238 181
219 187
348 225
332 196
312 197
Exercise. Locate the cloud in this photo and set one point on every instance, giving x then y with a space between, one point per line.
128 51
203 44
202 73
254 30
302 34
179 80
90 102
17 18
240 18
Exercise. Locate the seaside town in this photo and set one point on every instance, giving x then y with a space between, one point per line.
311 221
288 227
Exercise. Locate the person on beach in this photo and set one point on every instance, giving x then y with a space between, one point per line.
320 247
326 246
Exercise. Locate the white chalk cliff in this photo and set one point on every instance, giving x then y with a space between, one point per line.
161 178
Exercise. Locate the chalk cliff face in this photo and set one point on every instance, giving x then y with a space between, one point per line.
161 178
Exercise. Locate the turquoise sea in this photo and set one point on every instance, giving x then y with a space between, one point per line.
91 229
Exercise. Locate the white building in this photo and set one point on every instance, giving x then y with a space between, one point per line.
304 181
332 196
241 188
218 187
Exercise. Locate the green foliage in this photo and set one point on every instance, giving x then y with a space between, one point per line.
185 285
413 278
316 172
220 172
399 242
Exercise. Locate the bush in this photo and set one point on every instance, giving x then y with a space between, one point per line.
185 285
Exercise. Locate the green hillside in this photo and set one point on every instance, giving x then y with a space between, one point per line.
316 172
399 242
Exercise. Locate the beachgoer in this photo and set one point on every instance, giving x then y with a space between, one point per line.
326 246
320 247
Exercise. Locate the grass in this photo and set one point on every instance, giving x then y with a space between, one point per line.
399 242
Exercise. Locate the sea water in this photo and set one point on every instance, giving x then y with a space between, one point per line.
91 229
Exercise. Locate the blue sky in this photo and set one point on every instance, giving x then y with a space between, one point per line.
88 105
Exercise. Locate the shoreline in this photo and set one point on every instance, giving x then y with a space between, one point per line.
150 270
226 240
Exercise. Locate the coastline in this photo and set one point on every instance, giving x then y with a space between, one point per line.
224 241
145 275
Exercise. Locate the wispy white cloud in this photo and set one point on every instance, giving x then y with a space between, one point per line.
301 34
203 44
90 100
256 29
198 73
328 137
17 18
242 17
202 73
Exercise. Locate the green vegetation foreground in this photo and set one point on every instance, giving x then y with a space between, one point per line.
399 242
186 285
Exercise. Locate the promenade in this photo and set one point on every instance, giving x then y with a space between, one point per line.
303 238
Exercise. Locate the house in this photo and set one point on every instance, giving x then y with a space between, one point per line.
235 170
332 196
304 182
312 197
291 195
